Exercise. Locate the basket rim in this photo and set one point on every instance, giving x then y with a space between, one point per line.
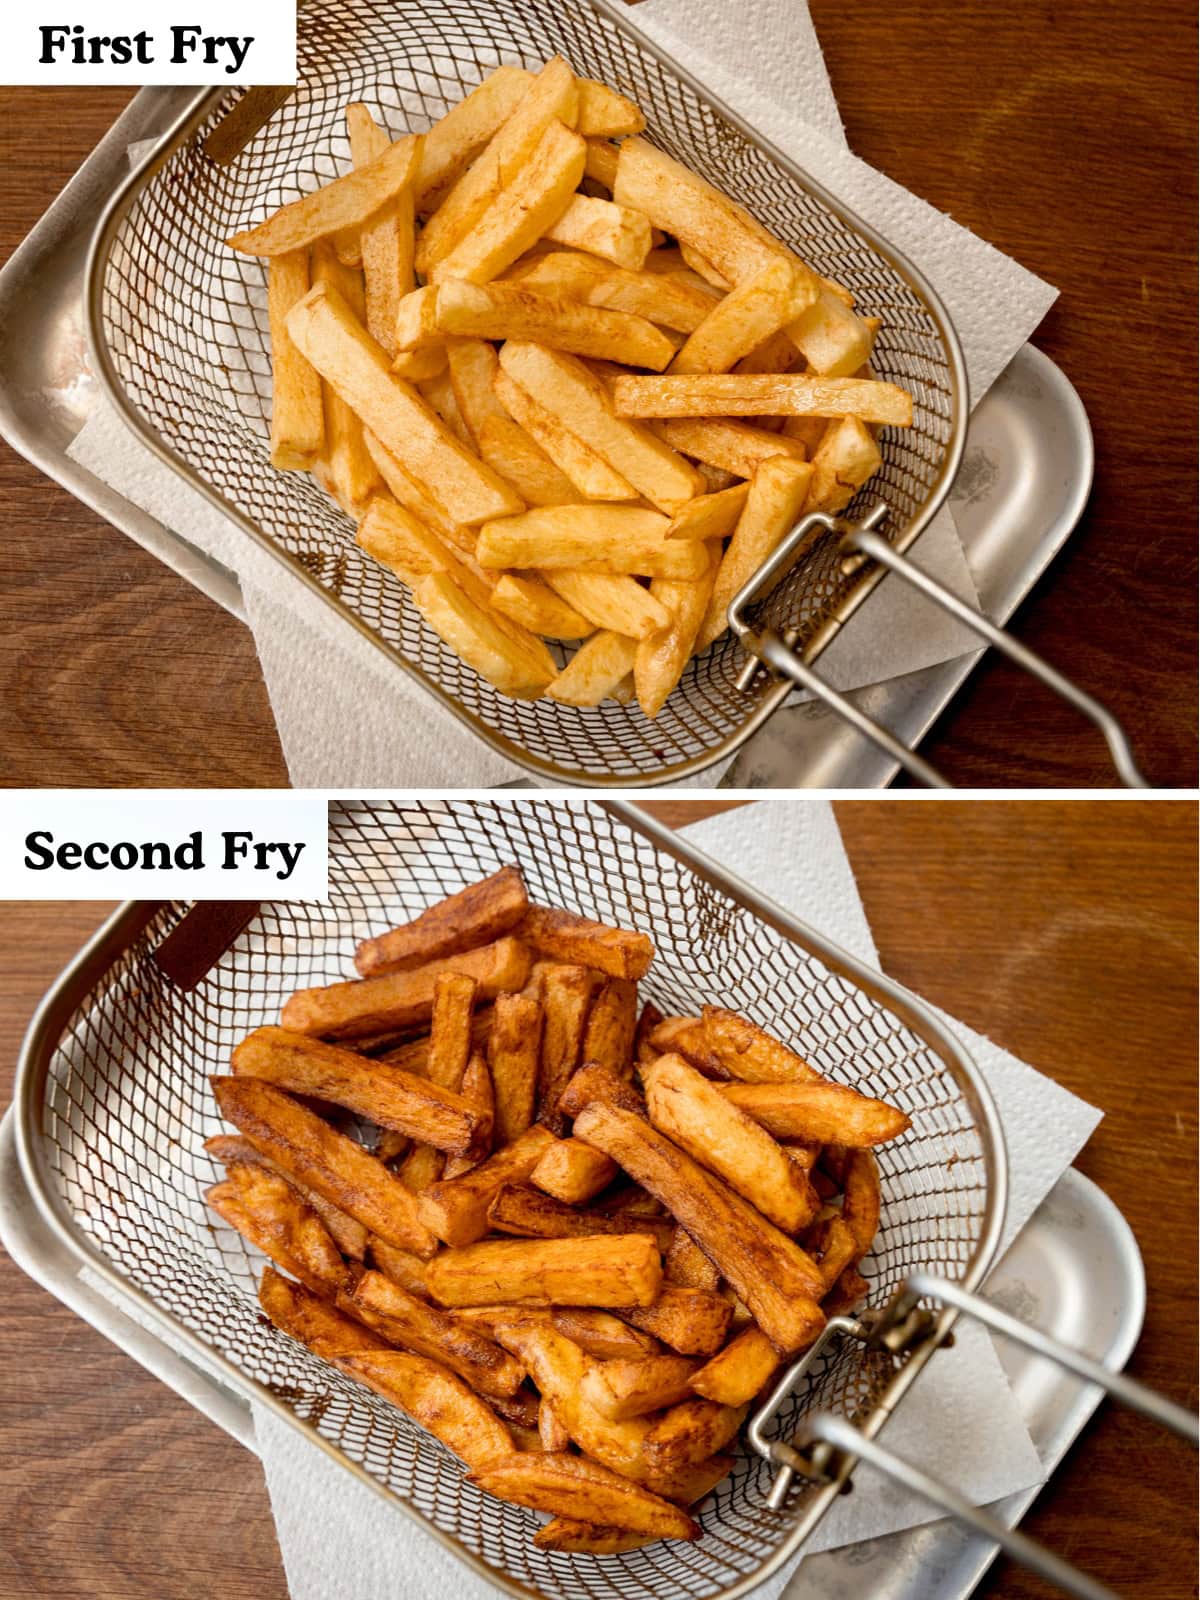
116 934
190 120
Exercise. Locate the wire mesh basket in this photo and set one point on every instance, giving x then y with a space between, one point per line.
114 1107
178 326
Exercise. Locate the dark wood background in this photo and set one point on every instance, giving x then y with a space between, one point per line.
1060 130
1065 931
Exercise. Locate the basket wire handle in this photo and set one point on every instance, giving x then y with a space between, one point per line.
862 539
900 1326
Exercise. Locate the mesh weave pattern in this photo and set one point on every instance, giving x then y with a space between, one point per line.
128 1108
185 321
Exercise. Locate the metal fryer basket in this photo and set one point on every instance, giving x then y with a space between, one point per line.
114 1106
178 325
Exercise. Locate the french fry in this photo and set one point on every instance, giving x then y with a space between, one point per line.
685 1036
861 1202
457 138
477 1091
530 1214
607 601
569 1535
479 914
401 1266
704 269
521 1409
709 516
565 936
419 1107
773 507
387 239
733 394
349 1236
692 1431
450 1028
519 215
551 1433
416 498
694 1113
685 1265
619 1270
573 1172
777 353
836 1249
749 1053
758 307
413 1054
567 995
834 339
419 365
403 999
347 202
549 99
436 1398
411 1324
321 1158
659 297
268 1211
648 1020
772 1275
608 1041
422 1166
612 232
345 465
473 364
844 460
536 606
571 1486
564 385
576 460
514 1050
819 1113
593 1081
847 1294
456 1209
519 459
297 413
602 1335
620 1389
692 1321
595 670
605 114
607 539
601 161
723 444
311 1319
510 311
738 1372
477 635
439 392
660 660
329 336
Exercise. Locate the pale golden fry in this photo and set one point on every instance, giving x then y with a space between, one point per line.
564 385
381 1093
564 936
573 1172
536 606
297 414
368 1006
709 516
476 915
749 1053
661 659
387 240
416 498
439 392
347 202
475 633
602 161
692 1321
418 366
617 540
456 1209
321 1158
520 214
311 1319
410 1323
605 114
735 394
514 1049
457 138
520 460
589 472
345 468
773 507
607 601
571 1486
845 459
659 297
473 365
595 670
726 446
835 340
509 310
758 307
437 1399
622 1270
329 336
818 1113
771 1274
603 229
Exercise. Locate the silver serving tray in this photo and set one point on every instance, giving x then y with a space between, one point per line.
1026 472
1075 1270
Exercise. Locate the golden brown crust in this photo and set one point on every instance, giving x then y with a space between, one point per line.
479 914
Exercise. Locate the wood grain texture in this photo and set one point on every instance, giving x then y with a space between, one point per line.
1066 932
1060 134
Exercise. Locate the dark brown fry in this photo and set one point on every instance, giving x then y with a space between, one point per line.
478 914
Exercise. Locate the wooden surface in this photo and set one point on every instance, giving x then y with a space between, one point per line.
1061 133
1064 931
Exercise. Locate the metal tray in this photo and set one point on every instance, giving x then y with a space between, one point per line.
1025 476
1075 1270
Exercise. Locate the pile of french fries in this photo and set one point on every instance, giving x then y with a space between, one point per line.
582 1236
462 329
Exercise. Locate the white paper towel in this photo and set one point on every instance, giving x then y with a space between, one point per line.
348 719
338 1541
